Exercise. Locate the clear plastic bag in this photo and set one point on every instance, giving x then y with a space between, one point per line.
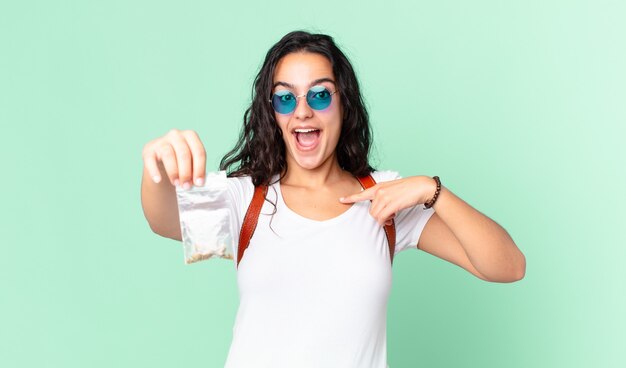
206 219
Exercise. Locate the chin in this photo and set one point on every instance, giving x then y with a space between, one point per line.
310 166
311 162
308 162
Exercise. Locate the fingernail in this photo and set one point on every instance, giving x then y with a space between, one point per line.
156 179
176 182
342 199
186 185
199 181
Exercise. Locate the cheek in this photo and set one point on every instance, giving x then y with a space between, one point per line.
332 115
282 121
333 108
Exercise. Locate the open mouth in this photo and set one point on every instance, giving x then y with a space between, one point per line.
308 138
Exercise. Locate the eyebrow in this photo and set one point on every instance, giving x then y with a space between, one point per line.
289 85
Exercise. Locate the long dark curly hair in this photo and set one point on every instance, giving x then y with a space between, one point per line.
260 149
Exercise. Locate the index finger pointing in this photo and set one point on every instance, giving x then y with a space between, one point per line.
367 194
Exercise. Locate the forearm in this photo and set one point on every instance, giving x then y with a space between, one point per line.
160 206
488 246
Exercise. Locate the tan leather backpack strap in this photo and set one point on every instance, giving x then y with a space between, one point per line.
390 230
250 220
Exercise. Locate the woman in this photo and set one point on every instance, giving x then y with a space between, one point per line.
316 275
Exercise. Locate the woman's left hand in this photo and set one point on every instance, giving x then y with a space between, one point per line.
390 197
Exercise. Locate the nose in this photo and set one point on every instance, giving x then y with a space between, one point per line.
303 110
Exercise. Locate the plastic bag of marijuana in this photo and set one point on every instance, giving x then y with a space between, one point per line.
206 220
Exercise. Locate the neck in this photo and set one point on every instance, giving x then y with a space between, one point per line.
327 173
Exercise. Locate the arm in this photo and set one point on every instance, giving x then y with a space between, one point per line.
160 206
462 235
438 240
456 232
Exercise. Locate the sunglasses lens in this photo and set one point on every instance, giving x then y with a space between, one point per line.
284 102
318 98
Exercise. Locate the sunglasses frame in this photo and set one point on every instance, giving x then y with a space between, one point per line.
299 96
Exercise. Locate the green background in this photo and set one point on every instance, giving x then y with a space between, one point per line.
519 107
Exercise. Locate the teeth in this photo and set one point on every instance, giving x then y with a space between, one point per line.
305 130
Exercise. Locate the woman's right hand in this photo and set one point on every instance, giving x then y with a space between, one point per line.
182 156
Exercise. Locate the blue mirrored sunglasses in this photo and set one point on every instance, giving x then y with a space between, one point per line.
318 98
